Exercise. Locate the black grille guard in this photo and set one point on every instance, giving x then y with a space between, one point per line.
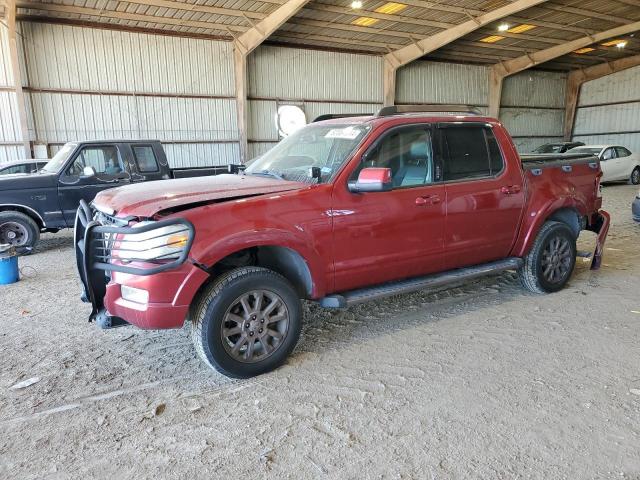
93 243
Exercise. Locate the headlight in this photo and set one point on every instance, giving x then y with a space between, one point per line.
164 243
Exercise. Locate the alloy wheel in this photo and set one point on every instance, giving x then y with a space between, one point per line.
255 326
556 259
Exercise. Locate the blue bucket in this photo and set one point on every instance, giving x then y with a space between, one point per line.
9 272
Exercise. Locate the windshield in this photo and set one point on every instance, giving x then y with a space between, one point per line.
549 148
591 150
59 159
322 146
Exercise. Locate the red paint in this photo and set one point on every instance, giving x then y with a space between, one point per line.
350 240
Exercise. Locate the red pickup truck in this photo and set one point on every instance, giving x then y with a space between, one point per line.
343 211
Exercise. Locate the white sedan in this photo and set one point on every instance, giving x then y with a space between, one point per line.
617 162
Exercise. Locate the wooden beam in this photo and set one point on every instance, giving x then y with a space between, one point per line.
245 44
515 65
135 17
253 37
413 51
577 77
495 93
418 49
10 9
536 58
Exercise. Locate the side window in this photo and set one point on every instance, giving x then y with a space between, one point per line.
609 153
622 152
104 159
145 158
407 152
15 169
473 152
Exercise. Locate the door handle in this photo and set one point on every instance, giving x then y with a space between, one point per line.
510 190
427 200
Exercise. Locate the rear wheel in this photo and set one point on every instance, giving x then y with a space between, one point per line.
635 176
548 266
18 229
247 322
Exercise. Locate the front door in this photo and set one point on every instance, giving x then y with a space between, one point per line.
485 194
383 236
75 185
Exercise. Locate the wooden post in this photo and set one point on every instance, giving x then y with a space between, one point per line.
389 83
16 75
240 68
495 92
574 82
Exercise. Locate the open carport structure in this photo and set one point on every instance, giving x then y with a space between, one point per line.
478 380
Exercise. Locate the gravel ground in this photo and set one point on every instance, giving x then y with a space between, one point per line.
479 381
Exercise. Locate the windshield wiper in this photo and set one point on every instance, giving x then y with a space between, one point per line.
267 173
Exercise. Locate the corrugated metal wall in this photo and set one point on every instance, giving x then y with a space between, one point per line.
319 82
609 110
533 108
92 83
436 82
532 102
10 146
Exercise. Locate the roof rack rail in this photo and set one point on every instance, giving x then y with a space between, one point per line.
331 116
428 108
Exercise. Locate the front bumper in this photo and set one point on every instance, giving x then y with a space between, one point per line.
171 284
635 209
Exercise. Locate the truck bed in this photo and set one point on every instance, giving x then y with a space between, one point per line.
545 160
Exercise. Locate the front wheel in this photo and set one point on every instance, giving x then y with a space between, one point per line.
635 176
548 266
246 322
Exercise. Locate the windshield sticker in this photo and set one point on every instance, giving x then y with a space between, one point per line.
348 133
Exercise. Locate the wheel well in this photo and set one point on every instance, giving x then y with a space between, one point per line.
29 213
283 260
569 217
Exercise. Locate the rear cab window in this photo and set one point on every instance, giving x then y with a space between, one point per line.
145 158
469 152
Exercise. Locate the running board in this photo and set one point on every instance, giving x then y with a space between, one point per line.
362 295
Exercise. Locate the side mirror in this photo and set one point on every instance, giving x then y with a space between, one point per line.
88 172
372 180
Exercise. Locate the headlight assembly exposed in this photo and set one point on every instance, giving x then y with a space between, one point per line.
164 243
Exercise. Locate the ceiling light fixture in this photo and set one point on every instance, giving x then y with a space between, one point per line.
614 42
503 27
492 39
621 44
356 4
525 27
364 21
391 7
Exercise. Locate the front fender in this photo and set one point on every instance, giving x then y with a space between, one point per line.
225 246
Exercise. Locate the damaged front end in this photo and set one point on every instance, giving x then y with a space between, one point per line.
106 244
599 224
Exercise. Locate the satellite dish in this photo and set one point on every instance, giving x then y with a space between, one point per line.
289 119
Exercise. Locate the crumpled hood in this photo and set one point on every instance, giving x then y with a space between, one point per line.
148 198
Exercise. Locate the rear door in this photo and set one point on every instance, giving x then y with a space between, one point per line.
484 194
610 165
111 171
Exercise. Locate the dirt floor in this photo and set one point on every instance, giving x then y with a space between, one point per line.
478 381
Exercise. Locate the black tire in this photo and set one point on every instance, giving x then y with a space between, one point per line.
25 229
533 276
214 307
634 178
